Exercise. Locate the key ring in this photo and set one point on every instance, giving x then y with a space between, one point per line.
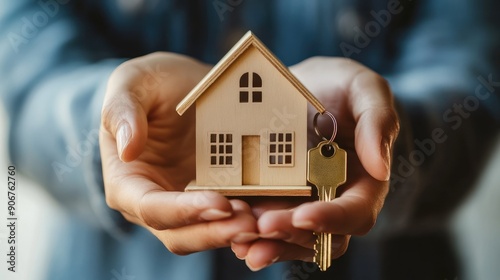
316 129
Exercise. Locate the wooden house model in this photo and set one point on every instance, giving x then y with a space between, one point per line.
251 125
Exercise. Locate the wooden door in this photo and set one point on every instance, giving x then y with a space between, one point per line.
251 160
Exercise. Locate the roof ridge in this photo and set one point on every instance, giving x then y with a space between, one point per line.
240 47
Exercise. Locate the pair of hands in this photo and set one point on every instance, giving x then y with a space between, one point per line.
148 158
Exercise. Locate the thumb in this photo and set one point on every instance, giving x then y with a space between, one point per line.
377 123
125 119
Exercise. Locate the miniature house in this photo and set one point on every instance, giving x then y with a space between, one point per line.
251 125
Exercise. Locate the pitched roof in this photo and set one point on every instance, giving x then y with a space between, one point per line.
249 39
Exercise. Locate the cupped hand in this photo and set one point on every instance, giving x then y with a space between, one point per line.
368 125
148 157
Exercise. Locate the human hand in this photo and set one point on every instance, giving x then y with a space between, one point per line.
148 157
368 125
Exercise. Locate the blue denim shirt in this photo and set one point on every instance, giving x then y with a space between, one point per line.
56 56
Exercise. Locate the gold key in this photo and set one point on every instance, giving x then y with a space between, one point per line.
326 169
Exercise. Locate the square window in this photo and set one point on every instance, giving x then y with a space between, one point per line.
213 149
280 137
213 138
280 148
288 137
272 148
213 160
243 96
272 137
229 138
288 159
288 148
229 160
272 159
257 96
229 149
221 149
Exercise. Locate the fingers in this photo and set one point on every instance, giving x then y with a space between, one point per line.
210 235
278 225
354 212
125 119
377 123
159 209
347 87
147 89
264 252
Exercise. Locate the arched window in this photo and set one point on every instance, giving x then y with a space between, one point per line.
250 88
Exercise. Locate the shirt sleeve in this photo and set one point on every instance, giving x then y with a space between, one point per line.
53 77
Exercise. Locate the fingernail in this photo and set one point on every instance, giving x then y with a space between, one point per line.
275 235
123 138
257 268
304 224
214 214
238 256
244 237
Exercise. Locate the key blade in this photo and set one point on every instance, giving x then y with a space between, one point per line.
323 257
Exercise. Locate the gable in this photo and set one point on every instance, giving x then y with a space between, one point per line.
236 55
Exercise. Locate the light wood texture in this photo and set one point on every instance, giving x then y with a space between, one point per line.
251 160
282 110
248 95
253 190
249 39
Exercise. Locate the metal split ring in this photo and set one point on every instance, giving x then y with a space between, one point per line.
316 129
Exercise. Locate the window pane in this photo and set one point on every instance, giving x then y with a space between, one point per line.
280 137
221 138
272 159
213 149
288 159
272 137
288 148
213 160
213 138
229 160
257 96
221 160
243 96
280 159
257 81
229 149
229 138
280 148
272 148
288 137
244 80
221 149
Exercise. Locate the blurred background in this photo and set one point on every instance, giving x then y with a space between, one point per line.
439 47
38 217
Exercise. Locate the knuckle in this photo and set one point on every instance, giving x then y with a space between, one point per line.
145 215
